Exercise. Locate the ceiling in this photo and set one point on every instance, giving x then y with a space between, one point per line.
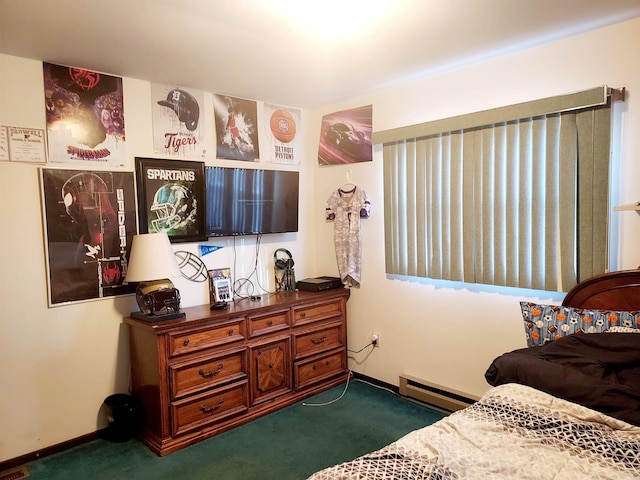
303 53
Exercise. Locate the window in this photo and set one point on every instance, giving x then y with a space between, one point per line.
515 196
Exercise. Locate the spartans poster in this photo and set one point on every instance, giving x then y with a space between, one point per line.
178 121
236 128
282 134
90 220
85 116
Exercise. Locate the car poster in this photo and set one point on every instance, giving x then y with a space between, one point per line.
281 131
178 121
345 137
85 116
90 220
236 128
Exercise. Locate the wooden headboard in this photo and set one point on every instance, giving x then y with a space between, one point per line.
608 291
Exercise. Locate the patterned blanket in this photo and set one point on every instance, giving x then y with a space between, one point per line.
514 432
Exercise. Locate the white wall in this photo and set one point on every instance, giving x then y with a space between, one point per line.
446 332
58 364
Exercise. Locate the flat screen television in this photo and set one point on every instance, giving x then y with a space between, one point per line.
244 201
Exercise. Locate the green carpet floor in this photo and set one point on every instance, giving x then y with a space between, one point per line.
289 444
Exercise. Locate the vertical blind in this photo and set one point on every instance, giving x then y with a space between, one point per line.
516 196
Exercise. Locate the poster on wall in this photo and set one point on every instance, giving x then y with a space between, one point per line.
85 116
345 137
171 198
90 220
236 128
282 129
178 121
4 144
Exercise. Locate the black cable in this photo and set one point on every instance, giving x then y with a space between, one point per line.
370 344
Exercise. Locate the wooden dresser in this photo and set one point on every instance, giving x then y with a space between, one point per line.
214 370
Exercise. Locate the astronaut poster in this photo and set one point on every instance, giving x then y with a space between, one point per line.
178 121
282 134
236 128
85 116
171 198
90 220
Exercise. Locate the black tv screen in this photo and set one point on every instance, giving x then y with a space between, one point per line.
243 201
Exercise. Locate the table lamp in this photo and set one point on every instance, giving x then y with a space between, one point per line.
152 263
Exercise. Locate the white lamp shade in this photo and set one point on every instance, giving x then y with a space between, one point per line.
151 258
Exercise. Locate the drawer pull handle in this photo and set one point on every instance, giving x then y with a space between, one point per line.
318 341
212 373
271 365
269 323
303 314
315 367
230 332
186 342
204 409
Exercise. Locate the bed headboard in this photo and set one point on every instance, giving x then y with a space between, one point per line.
610 291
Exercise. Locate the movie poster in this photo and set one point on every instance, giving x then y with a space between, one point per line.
178 121
282 129
345 137
236 128
90 220
85 116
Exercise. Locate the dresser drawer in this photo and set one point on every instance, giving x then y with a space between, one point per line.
194 340
319 368
192 377
202 410
318 311
269 322
312 341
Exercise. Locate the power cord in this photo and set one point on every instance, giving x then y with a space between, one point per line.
372 343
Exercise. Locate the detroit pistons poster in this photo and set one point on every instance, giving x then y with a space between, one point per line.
85 116
236 128
178 121
90 220
282 134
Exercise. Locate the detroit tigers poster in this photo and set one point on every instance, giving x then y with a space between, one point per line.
90 220
178 121
85 116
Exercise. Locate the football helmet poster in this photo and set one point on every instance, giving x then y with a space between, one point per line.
90 220
85 116
178 121
171 198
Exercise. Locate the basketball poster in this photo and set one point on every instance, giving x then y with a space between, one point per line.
85 116
178 120
236 128
282 127
345 137
90 220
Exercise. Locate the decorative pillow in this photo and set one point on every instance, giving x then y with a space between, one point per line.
546 323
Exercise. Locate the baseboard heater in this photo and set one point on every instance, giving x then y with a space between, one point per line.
434 395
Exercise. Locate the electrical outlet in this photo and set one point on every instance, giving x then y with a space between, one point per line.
375 339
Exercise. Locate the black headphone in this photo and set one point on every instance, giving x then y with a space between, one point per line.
283 263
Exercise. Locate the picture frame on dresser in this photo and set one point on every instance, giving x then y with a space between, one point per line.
171 198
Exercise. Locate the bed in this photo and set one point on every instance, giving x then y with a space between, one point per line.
565 407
